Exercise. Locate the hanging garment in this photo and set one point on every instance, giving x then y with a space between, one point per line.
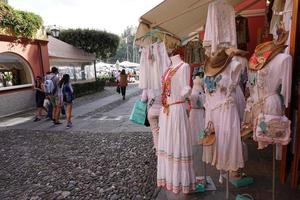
221 109
153 62
194 52
220 28
287 20
277 7
270 91
174 165
242 32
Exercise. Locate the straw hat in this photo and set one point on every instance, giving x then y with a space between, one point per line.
216 63
266 51
236 52
263 54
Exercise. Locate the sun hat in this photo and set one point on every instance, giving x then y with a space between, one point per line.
217 62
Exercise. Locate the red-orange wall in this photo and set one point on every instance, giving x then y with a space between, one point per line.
255 23
34 52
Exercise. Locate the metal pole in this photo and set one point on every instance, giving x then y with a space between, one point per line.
227 185
127 48
274 168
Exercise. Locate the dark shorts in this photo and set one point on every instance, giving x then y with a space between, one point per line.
39 100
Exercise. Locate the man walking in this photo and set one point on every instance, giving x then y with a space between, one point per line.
52 90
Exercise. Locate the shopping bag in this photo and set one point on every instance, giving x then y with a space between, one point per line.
118 89
139 113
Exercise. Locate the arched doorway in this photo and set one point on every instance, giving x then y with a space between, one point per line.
15 72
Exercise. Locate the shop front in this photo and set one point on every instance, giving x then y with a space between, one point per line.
20 62
262 88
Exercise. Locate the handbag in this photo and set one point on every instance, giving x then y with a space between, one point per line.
139 113
207 136
118 89
272 129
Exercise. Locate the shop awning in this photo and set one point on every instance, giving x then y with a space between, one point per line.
181 18
62 53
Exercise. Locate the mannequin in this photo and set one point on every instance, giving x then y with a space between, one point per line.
197 109
154 106
174 166
221 81
176 60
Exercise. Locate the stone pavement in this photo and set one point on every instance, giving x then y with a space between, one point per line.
91 117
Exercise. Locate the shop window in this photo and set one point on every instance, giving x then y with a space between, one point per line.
14 72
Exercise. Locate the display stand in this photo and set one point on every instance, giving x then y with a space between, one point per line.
208 183
227 185
274 173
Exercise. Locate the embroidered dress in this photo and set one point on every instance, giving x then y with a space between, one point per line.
221 109
174 167
270 90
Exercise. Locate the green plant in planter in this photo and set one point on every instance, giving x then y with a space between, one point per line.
19 23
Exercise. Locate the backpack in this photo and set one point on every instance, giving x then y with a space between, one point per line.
49 87
68 95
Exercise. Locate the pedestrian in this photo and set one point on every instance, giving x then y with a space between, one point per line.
123 82
39 98
55 94
68 97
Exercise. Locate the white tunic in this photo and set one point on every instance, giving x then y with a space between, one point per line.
153 62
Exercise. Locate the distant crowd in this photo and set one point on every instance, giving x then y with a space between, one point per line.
55 96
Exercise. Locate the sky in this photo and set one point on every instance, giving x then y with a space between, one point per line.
110 15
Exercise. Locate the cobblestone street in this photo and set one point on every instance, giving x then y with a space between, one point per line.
103 156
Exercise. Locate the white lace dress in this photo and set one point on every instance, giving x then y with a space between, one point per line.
174 167
221 109
220 28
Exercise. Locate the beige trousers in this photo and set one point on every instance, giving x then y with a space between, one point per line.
153 121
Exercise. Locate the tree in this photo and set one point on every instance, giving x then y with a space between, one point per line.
101 43
121 54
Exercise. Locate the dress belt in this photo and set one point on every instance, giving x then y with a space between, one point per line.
167 107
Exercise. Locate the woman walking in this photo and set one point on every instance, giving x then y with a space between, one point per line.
68 97
123 82
39 98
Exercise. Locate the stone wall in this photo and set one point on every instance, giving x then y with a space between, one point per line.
16 102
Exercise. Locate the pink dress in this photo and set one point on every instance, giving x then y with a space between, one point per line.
174 164
221 108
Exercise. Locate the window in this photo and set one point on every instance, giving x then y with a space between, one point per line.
14 72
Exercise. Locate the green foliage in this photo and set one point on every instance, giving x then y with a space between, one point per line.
106 78
121 53
20 23
101 43
81 89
